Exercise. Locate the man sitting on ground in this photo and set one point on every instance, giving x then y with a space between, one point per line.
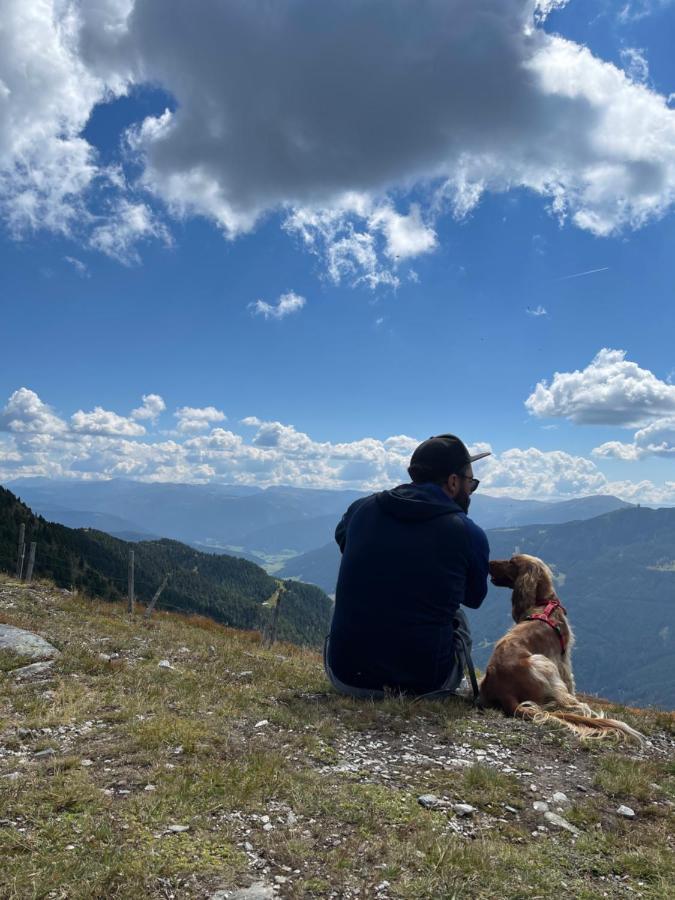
410 557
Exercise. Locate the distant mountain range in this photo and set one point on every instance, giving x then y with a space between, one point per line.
225 588
212 515
249 521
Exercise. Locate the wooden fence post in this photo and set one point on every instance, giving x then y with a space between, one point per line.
31 562
153 602
130 587
275 602
21 550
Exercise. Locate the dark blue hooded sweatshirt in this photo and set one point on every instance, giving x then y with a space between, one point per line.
410 556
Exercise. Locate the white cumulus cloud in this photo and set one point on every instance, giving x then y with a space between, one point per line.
286 305
102 444
105 422
291 107
655 439
611 390
152 407
197 418
25 412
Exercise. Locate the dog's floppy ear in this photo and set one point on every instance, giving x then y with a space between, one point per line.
527 581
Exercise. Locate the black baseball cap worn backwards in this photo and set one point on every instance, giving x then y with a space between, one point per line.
440 456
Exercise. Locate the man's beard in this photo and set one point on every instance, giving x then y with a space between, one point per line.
463 500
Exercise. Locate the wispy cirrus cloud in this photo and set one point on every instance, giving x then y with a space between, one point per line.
584 274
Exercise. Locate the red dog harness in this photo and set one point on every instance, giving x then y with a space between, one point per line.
550 606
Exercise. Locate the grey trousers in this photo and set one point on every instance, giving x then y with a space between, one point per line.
451 683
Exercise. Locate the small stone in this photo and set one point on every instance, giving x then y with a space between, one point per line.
149 788
45 754
382 886
70 846
540 806
280 879
86 763
464 809
510 809
262 723
268 826
560 798
257 891
559 822
534 788
428 801
626 812
264 819
33 670
178 829
291 818
165 664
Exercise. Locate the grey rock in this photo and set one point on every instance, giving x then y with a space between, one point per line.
626 812
464 809
428 801
177 829
45 754
540 806
37 668
560 798
559 822
25 643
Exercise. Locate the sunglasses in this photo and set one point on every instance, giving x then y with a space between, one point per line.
474 481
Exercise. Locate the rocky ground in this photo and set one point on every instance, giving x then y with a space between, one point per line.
180 759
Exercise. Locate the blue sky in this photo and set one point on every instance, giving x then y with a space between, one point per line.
312 258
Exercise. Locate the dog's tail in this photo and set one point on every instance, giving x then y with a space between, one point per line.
594 726
563 707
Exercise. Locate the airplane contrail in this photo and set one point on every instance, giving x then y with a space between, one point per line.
581 274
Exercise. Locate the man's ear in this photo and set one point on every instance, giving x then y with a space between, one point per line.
452 485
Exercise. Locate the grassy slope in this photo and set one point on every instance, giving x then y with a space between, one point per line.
338 779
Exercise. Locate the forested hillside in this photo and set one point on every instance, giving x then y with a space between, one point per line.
227 589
